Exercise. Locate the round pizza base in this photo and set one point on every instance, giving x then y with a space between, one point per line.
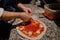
39 37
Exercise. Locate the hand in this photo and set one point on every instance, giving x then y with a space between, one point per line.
25 9
28 11
25 17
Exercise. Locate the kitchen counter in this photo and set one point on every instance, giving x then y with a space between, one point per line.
53 27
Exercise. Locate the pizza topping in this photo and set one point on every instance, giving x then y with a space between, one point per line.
34 34
36 22
41 29
41 25
31 27
25 32
30 33
21 27
38 31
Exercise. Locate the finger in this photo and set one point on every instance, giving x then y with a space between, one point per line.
29 10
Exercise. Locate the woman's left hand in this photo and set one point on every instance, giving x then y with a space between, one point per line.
25 9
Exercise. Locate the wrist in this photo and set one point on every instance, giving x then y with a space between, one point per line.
21 14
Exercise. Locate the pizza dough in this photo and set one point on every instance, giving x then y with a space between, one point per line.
35 30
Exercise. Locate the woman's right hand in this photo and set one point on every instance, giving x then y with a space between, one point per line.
25 17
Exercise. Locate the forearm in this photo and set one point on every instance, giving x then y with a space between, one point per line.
11 15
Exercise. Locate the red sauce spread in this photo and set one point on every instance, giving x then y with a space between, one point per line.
33 29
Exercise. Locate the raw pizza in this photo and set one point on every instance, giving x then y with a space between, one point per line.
32 30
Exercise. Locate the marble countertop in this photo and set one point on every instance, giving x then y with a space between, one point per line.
53 27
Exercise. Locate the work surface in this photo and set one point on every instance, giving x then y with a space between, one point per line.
53 27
